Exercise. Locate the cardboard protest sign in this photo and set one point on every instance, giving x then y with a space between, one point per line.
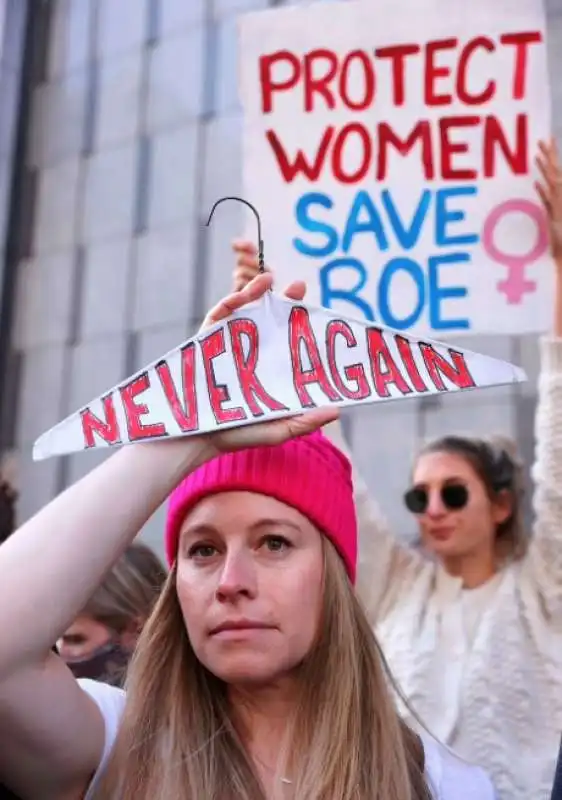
390 149
271 359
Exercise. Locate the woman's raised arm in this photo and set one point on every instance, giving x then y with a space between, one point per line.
50 567
53 732
543 564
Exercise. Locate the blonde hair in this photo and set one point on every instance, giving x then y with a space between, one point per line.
128 593
177 740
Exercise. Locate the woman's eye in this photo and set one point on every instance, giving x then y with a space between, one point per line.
276 543
202 551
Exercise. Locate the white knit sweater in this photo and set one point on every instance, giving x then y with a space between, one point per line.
496 698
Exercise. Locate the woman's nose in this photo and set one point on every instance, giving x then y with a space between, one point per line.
435 505
237 577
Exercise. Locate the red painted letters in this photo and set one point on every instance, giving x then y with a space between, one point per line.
107 430
354 373
251 386
438 367
212 347
454 72
185 409
302 336
134 410
383 367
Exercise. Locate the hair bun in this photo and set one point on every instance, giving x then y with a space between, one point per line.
506 462
507 445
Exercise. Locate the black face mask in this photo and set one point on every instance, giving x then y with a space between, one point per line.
107 664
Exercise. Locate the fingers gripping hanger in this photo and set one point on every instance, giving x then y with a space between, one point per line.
261 261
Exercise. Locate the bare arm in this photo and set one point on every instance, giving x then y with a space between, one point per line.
49 569
51 566
52 733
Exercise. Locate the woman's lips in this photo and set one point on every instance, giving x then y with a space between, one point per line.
441 534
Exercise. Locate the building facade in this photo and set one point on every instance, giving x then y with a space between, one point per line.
129 129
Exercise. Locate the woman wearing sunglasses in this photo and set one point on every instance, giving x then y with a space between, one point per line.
474 632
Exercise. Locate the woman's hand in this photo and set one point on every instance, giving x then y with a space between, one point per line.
550 192
253 286
247 266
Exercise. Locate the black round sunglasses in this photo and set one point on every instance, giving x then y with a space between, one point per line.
454 496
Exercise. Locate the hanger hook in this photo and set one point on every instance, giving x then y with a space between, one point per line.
261 261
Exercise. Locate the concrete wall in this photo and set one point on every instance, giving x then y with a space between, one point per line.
12 29
135 132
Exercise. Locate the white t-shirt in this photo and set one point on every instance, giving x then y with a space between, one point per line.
449 777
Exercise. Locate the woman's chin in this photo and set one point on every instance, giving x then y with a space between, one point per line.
249 671
443 548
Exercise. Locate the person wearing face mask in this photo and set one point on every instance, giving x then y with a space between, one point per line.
100 641
8 498
473 633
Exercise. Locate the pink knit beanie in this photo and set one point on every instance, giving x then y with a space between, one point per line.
308 473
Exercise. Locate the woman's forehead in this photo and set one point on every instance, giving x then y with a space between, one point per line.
238 509
442 466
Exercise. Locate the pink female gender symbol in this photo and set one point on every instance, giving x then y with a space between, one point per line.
516 284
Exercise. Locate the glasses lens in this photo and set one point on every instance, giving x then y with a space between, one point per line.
454 496
416 500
